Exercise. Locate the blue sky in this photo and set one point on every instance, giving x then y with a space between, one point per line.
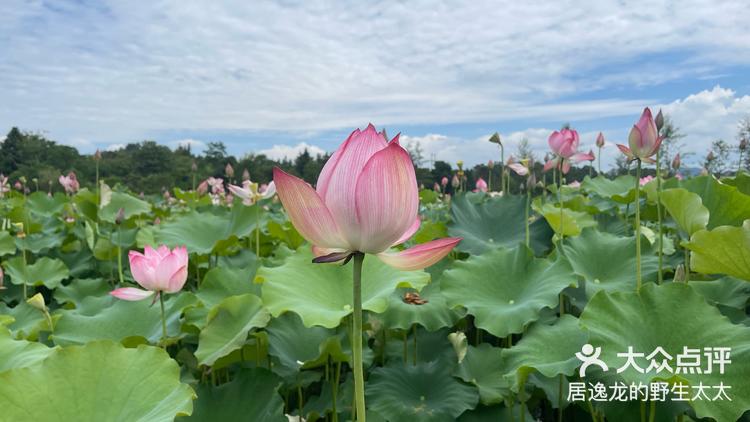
277 77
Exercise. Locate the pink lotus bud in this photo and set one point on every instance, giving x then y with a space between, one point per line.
194 167
676 162
229 171
436 187
444 181
659 121
350 211
600 140
491 164
245 175
481 185
157 271
454 181
591 156
644 139
203 187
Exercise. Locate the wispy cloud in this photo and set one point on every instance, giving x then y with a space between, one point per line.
280 152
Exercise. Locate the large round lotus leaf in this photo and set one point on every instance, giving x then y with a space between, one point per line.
101 381
45 205
567 222
251 395
425 392
129 204
496 222
607 262
26 321
547 349
496 414
7 244
202 232
686 208
45 271
671 316
727 205
228 325
297 346
222 282
37 242
506 289
88 296
483 366
430 346
122 320
322 293
621 189
741 181
723 250
726 291
20 353
433 315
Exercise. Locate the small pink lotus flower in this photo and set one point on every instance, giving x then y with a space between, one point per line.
519 168
444 181
645 180
250 192
564 145
481 185
202 187
157 271
575 184
69 183
366 201
216 184
600 140
644 139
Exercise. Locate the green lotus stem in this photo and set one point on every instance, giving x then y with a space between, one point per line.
652 412
119 254
528 202
687 265
300 398
522 399
164 323
335 392
414 331
591 409
638 227
359 376
25 263
599 157
406 350
659 223
257 230
559 399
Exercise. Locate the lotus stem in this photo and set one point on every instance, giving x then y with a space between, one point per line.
257 230
687 265
522 399
414 333
359 377
659 218
528 202
638 227
335 392
599 158
652 412
164 323
119 254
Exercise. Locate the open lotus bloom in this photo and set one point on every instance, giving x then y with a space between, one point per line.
564 144
366 201
250 192
69 182
644 139
157 271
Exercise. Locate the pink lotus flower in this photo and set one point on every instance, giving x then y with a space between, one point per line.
600 140
202 187
216 184
157 271
250 192
69 182
575 184
644 139
644 180
564 145
481 185
519 168
366 201
444 181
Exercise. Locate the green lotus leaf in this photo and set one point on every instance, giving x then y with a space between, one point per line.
417 345
607 262
37 242
495 414
222 282
101 381
20 353
45 271
496 222
253 393
483 366
726 204
204 232
741 181
24 321
122 320
131 206
723 250
620 189
430 230
228 325
322 293
506 289
534 354
299 347
42 204
567 222
433 315
89 296
425 392
726 291
7 243
686 208
671 316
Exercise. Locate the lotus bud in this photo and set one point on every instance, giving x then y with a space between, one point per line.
481 185
18 185
120 217
659 121
495 139
743 144
591 156
600 140
97 155
679 274
444 181
194 167
455 182
436 187
37 301
490 164
203 187
676 162
229 170
245 175
531 181
460 344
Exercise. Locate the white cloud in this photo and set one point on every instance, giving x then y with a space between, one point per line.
194 144
115 147
279 152
123 69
